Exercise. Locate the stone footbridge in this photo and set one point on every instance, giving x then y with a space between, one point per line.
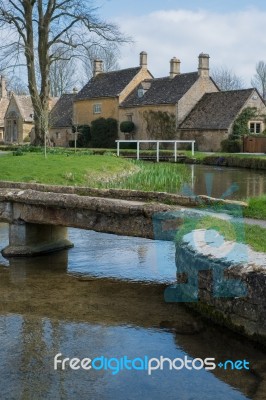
38 215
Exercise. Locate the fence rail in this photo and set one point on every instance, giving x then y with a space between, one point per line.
175 142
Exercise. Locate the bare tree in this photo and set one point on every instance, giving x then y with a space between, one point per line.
108 54
226 79
16 85
32 28
259 79
62 74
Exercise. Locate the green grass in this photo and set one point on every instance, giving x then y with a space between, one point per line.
256 208
79 170
253 235
92 170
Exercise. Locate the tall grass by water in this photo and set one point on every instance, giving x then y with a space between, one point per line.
159 177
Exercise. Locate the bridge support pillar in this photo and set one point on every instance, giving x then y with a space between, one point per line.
34 239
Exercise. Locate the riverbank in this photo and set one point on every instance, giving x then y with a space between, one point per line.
109 172
238 160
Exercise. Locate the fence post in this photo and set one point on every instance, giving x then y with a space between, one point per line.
137 150
157 151
118 144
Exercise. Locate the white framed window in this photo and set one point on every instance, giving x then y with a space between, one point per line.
255 127
97 108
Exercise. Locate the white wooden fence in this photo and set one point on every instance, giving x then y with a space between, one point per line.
157 146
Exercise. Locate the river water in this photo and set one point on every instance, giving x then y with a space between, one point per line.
227 183
104 297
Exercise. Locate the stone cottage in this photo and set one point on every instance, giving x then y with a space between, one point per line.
4 101
61 121
176 94
212 118
18 119
104 93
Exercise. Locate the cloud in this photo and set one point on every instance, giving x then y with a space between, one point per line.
235 40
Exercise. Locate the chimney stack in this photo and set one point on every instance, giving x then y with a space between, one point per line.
143 59
3 91
174 67
98 67
203 69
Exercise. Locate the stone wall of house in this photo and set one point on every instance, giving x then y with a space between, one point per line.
61 136
193 95
205 140
25 131
83 110
136 114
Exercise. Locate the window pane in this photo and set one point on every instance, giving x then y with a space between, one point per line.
252 127
258 128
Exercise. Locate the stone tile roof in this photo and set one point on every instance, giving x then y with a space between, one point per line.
216 110
25 107
161 90
62 113
107 84
3 107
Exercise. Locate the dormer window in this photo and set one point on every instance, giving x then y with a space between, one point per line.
141 92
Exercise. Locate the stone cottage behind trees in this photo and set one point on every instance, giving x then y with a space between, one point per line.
181 105
4 101
19 119
61 121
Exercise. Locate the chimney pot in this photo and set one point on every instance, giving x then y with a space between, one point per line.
98 67
174 67
203 69
3 91
143 59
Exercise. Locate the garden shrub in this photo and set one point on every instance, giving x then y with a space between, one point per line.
104 132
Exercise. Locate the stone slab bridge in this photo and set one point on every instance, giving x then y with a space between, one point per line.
38 215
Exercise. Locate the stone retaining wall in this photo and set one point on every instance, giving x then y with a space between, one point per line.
230 290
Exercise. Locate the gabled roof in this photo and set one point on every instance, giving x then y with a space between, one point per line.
62 113
216 110
107 84
3 107
162 90
24 104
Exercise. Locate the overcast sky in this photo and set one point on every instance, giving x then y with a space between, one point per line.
231 32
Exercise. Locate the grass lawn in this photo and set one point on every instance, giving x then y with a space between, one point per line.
253 235
79 170
100 171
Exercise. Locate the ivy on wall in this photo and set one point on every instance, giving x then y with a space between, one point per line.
160 125
240 126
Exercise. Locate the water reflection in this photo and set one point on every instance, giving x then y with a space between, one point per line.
60 304
250 183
